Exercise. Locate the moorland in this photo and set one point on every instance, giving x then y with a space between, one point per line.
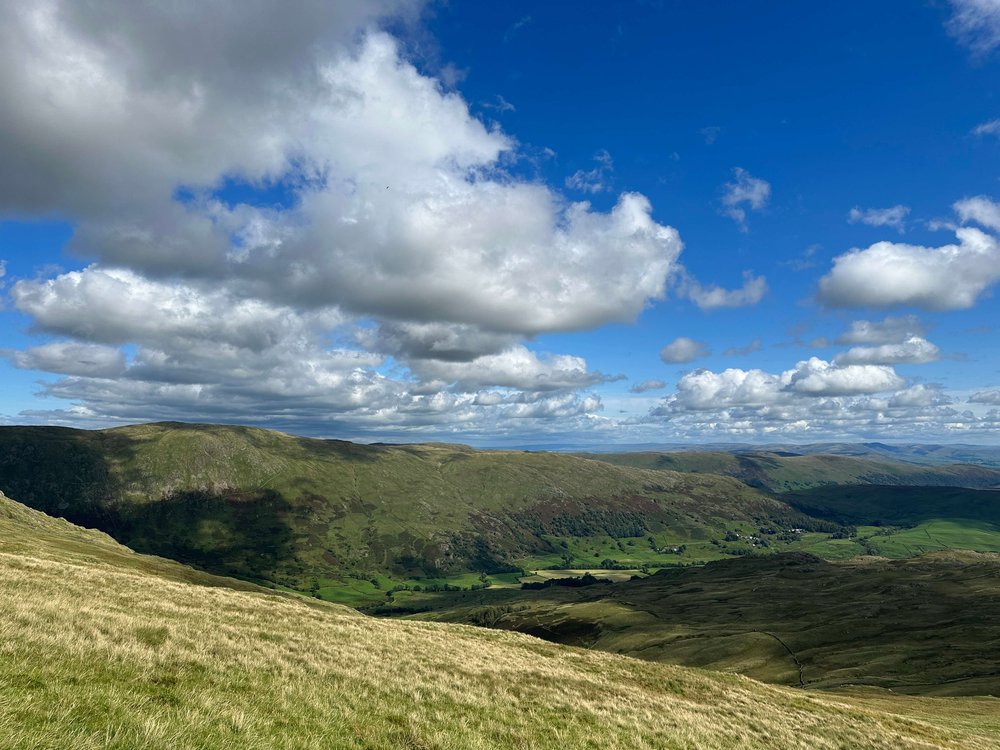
188 585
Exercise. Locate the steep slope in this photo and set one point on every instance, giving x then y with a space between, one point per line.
28 532
927 625
97 656
272 507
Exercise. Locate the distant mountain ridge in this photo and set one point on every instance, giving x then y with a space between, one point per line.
352 522
930 454
788 471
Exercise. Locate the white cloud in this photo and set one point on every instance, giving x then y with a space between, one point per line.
894 217
400 232
817 377
894 274
919 395
976 24
707 390
744 190
980 210
890 330
116 306
813 400
517 367
988 128
401 211
991 397
594 180
683 349
914 350
713 296
704 390
647 385
556 407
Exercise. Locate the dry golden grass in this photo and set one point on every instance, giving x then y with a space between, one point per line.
93 657
97 655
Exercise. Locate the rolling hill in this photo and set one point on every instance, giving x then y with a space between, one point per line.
783 471
309 514
919 454
926 625
102 649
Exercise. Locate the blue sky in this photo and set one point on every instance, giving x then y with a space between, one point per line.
505 223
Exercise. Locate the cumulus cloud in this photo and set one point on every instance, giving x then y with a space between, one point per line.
683 349
707 390
745 191
976 24
713 296
386 170
399 244
816 399
889 274
556 407
988 128
991 397
205 354
817 377
980 210
647 385
913 351
919 395
517 367
894 217
117 306
890 330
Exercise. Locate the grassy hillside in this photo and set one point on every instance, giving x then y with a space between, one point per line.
787 472
28 532
873 505
926 625
100 655
309 513
916 453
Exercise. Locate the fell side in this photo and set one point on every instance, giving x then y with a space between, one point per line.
111 656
